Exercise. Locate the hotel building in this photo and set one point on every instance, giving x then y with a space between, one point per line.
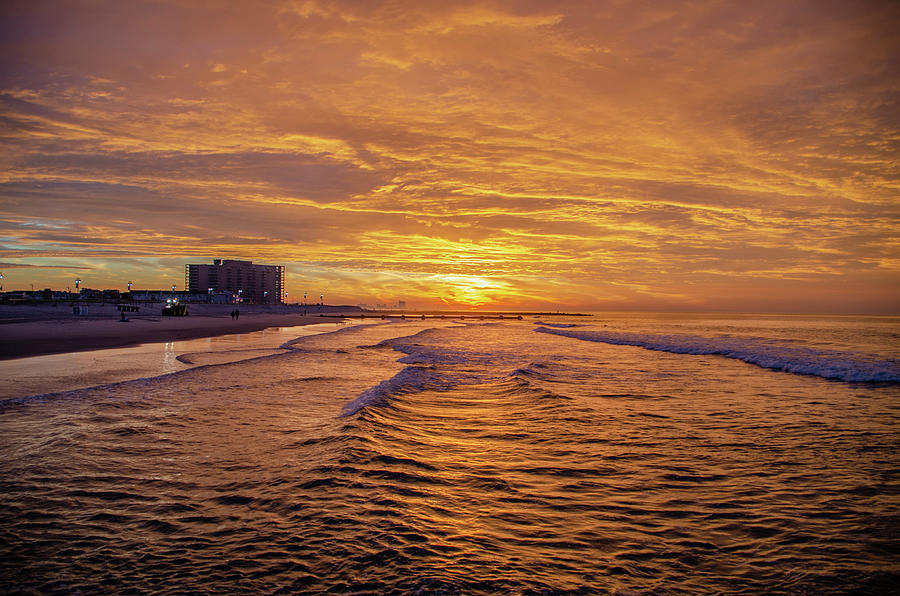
261 284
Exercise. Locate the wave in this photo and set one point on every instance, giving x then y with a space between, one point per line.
433 365
296 343
560 325
842 366
415 379
224 356
91 390
411 379
533 369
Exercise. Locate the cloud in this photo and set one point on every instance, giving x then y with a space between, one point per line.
31 266
298 175
656 152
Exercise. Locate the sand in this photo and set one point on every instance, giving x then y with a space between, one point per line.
37 330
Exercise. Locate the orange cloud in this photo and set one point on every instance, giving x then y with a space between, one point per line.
606 154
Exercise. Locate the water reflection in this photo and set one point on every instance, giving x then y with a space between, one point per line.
63 372
169 361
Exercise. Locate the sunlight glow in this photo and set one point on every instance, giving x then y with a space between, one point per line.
463 154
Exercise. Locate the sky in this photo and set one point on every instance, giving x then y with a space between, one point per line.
607 154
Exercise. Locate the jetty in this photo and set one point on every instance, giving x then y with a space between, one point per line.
452 315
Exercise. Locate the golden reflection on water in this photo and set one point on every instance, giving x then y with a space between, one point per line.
583 467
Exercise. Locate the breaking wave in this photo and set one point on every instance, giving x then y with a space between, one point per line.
411 379
842 366
432 365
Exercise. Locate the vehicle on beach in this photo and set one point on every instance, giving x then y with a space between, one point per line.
174 308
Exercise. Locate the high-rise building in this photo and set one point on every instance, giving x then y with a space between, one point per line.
261 284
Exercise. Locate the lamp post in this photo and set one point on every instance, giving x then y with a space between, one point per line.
285 297
304 298
77 284
129 286
209 292
265 297
1 283
173 287
322 299
240 296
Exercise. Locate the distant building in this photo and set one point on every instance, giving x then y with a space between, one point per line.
151 295
166 295
222 297
90 294
261 284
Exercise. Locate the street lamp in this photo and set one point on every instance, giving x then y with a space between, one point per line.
240 295
322 299
129 286
265 297
77 284
173 287
304 298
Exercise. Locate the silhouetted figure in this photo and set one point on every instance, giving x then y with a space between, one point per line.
237 314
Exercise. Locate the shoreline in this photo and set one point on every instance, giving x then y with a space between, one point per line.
35 334
40 338
39 330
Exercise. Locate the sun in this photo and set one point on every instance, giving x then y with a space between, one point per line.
468 290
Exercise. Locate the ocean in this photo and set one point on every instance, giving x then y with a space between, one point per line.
610 454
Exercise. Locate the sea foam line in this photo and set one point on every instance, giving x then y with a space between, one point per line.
858 368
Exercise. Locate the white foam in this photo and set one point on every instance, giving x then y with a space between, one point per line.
842 366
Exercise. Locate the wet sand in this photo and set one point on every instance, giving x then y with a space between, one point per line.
38 330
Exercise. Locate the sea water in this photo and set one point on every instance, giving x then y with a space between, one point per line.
658 454
76 370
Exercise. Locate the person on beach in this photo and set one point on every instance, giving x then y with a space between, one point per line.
237 314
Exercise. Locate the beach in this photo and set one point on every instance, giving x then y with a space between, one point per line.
33 330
